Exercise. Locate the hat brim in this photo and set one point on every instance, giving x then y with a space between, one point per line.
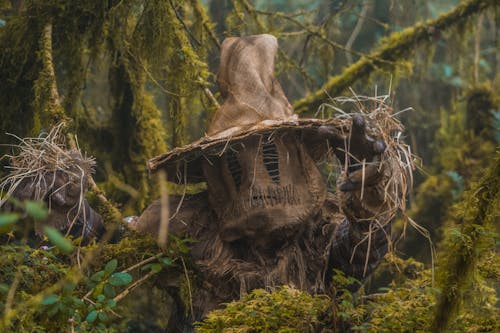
184 164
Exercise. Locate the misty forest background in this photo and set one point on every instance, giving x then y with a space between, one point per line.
134 78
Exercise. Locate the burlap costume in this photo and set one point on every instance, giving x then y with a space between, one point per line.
267 217
61 183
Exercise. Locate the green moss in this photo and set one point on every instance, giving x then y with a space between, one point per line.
429 208
144 42
18 70
476 214
109 213
283 310
481 103
46 100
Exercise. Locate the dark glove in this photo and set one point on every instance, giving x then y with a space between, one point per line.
358 149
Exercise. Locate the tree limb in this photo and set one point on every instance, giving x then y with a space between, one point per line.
357 29
395 48
51 106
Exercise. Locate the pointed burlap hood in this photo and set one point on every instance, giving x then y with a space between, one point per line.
246 81
254 104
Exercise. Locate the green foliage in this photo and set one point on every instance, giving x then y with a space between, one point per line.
57 239
152 55
407 305
284 310
404 307
43 291
476 215
7 221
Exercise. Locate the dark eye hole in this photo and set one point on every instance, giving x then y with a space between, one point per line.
270 158
234 167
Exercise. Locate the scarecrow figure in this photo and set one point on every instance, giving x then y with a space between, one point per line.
267 217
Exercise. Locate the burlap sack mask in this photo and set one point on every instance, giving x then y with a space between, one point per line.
258 159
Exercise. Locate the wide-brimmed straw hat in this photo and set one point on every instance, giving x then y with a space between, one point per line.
255 104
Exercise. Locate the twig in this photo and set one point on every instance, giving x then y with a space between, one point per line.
127 291
184 24
397 47
200 11
86 298
477 47
189 287
131 268
164 210
145 261
211 97
313 31
357 29
12 292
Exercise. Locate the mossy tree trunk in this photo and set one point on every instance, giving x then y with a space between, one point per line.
48 49
478 213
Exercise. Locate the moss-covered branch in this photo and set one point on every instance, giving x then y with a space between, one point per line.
478 212
47 101
394 49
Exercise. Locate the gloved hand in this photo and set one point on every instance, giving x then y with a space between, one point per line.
361 150
353 151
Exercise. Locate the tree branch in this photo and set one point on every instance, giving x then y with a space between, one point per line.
51 106
395 48
357 29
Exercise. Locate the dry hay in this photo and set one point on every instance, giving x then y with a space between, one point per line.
382 123
39 161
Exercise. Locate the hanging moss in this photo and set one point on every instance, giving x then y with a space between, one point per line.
147 41
138 129
49 111
164 24
477 214
20 40
205 28
481 103
433 199
394 50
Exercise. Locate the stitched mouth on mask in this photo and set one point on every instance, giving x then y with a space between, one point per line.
273 196
263 198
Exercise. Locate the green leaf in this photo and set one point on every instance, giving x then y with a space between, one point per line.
111 266
146 267
77 302
109 291
120 279
50 299
69 287
36 209
7 221
56 238
101 298
103 316
4 288
155 268
54 308
97 276
167 261
91 317
111 303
